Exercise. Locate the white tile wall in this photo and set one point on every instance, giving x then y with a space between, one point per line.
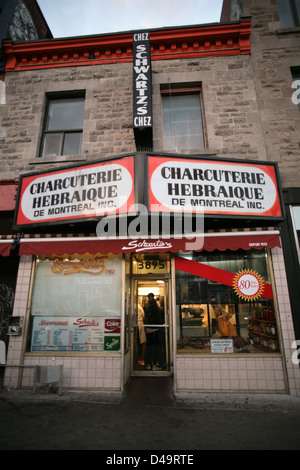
239 374
78 372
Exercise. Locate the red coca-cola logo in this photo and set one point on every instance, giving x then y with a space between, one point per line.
112 326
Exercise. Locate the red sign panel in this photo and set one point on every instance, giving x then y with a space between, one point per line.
213 187
112 326
76 193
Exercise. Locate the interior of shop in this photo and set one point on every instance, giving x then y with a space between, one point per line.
208 311
251 327
142 330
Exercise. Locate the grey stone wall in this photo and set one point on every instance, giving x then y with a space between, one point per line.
231 112
274 53
107 122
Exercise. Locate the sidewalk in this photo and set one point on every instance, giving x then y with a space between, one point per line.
110 422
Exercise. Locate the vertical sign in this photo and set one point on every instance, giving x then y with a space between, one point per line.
142 82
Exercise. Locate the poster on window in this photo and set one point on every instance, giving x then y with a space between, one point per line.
76 305
65 334
79 287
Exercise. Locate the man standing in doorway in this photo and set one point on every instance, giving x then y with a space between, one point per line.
153 316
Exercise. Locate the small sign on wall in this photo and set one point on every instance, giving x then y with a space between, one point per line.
221 346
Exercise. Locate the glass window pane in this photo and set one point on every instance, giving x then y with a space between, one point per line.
297 12
65 114
91 318
52 145
296 212
182 122
285 14
211 316
72 143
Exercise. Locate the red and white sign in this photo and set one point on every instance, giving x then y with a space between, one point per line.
248 285
221 346
213 187
112 326
76 193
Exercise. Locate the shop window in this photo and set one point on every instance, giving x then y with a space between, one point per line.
295 211
289 13
182 119
76 305
62 133
213 316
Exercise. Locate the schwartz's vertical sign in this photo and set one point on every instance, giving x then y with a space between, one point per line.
142 81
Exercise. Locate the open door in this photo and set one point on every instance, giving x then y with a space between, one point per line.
151 341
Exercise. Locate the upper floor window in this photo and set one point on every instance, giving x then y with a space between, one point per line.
62 134
289 13
182 119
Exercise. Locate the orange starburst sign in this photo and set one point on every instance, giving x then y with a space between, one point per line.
248 285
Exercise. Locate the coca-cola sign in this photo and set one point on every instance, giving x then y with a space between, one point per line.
112 326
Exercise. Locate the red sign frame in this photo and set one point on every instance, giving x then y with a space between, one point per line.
218 188
76 193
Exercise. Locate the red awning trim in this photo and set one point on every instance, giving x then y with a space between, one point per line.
94 245
5 246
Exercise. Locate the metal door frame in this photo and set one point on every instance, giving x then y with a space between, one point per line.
168 327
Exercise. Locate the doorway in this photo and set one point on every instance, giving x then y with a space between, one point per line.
151 344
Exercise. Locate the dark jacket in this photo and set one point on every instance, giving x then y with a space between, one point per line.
153 314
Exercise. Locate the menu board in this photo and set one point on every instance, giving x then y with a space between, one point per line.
59 334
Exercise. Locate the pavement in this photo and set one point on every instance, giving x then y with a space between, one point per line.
148 417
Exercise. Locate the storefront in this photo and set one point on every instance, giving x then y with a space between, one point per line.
290 233
225 321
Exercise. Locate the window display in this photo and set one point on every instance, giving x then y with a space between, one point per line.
76 304
228 307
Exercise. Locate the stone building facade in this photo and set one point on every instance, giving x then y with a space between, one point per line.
275 61
242 70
